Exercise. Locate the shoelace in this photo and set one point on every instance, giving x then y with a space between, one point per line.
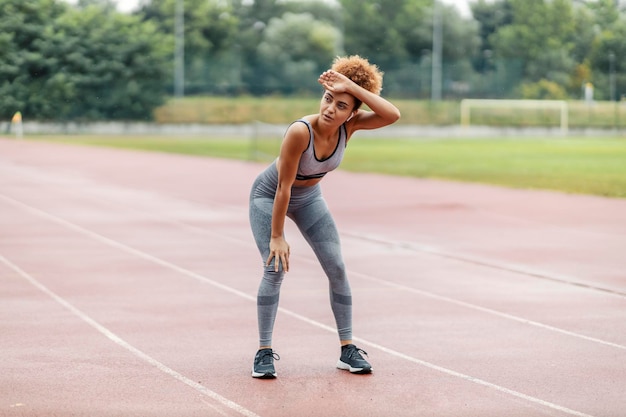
266 358
357 353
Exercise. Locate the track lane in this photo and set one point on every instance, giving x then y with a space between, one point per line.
155 229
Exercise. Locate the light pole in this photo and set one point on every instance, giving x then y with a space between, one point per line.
341 25
437 49
179 49
612 76
486 67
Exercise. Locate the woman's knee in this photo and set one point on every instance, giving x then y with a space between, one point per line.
272 277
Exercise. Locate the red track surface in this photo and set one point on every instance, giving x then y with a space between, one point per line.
128 284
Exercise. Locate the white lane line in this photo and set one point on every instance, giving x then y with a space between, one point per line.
305 319
488 263
122 343
379 281
488 311
441 369
405 288
419 248
427 294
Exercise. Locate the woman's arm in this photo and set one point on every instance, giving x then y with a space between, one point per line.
295 142
383 112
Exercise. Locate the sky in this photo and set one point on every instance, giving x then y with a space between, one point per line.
130 5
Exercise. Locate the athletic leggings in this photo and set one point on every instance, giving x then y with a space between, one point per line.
308 210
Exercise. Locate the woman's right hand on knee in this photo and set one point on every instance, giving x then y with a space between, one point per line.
279 251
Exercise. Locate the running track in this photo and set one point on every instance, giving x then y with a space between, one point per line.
128 282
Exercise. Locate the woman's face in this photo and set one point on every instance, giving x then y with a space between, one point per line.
336 108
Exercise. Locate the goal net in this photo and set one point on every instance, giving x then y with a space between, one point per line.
558 106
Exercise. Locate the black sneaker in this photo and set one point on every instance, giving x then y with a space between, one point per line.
352 360
264 364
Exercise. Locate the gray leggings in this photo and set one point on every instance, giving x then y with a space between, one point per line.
308 210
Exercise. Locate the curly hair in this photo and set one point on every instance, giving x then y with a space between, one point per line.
359 70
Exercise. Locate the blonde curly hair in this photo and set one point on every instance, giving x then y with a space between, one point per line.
359 70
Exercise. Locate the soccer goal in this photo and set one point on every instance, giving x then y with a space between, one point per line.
559 105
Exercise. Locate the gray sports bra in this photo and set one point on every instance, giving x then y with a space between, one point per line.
310 167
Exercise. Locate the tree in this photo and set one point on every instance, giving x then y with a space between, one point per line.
24 69
258 74
109 5
118 65
212 51
605 49
608 60
88 62
370 31
295 49
606 12
397 35
540 39
491 16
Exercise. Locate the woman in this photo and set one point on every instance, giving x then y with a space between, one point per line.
289 187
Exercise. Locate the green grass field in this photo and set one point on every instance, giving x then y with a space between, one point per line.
588 166
575 165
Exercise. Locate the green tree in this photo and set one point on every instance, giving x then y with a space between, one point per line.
370 31
606 49
606 12
490 16
414 23
543 90
397 35
88 62
540 39
117 65
212 53
295 49
24 67
608 59
585 31
258 75
109 5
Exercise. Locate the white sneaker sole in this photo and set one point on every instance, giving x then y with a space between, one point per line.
267 375
347 367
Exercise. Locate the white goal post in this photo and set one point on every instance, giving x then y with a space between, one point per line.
561 105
